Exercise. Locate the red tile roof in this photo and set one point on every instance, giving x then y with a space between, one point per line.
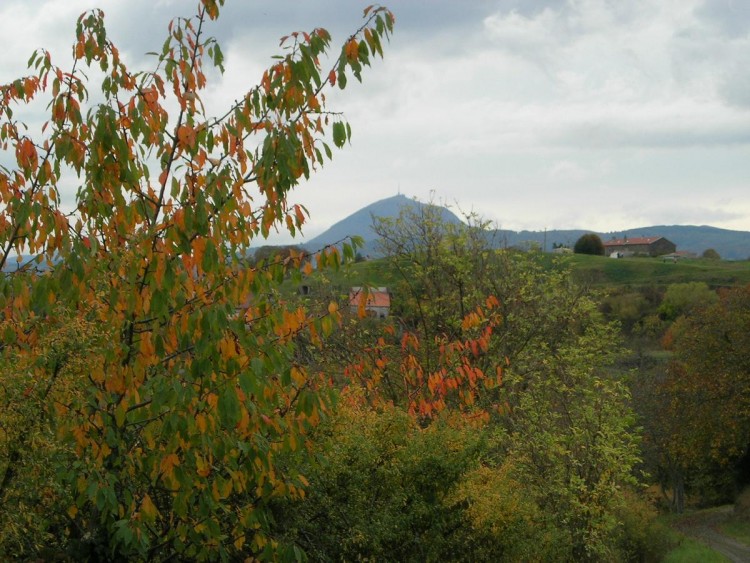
375 298
629 241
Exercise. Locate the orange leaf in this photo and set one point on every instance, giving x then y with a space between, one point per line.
186 136
352 50
299 214
26 154
203 468
266 82
150 96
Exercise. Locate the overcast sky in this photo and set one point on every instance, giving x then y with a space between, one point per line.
596 114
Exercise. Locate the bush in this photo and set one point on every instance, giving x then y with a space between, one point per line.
376 486
711 254
643 537
686 298
628 308
384 488
742 505
502 522
589 243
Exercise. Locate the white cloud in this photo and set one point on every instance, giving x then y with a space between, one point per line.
519 109
568 171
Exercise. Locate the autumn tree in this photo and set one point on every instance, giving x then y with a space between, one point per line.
510 343
573 443
170 428
467 313
699 420
34 499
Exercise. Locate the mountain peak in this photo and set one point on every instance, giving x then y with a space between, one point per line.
360 222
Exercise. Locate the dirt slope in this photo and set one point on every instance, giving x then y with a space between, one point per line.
704 526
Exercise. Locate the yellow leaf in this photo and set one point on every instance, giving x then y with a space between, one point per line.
168 464
148 509
226 488
200 421
203 467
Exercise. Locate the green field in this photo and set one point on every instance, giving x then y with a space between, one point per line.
596 271
601 271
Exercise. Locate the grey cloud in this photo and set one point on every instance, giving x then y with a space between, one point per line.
609 135
528 8
731 17
143 27
735 87
676 214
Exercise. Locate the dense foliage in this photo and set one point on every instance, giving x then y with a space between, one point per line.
589 243
149 376
708 381
521 352
689 387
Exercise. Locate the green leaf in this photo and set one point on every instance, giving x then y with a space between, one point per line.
210 257
229 408
339 134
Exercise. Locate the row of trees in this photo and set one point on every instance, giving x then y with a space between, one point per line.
694 405
683 342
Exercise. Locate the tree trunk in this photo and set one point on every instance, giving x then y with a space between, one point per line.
678 492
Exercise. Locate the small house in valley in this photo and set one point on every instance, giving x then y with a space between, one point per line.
638 246
375 300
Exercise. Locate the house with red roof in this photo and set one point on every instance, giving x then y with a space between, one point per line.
376 301
639 246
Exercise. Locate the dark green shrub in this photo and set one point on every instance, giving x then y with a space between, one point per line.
589 243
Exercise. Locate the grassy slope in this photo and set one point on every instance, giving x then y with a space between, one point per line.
688 549
602 271
737 529
692 551
595 270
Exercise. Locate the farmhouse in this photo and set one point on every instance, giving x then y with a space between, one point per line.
642 246
377 304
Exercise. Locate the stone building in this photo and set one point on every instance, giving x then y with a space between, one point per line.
639 246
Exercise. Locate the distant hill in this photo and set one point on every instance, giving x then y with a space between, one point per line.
360 223
731 245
